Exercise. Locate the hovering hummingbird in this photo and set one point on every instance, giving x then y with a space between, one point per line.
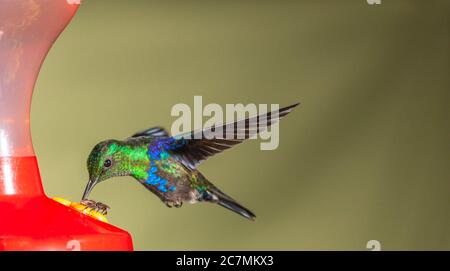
167 165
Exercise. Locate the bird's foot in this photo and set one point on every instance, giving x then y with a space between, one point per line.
176 204
96 206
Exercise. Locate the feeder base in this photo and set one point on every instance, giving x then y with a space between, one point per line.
31 221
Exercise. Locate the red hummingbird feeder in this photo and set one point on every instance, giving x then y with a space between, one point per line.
29 220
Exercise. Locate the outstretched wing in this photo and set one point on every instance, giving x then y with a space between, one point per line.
194 147
153 132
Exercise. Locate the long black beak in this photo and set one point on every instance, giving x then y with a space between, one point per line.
90 185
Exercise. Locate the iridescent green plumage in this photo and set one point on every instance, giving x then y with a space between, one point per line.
167 166
129 159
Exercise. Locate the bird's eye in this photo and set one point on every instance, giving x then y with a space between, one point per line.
107 163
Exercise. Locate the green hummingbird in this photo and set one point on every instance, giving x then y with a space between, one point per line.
167 165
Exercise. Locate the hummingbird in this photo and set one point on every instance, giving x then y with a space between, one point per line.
167 165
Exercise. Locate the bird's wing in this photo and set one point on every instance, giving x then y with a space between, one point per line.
153 132
194 147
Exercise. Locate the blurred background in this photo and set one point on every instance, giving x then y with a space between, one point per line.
365 156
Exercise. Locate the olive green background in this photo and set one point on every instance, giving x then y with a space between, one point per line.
366 155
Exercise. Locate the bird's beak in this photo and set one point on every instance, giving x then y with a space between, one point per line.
90 185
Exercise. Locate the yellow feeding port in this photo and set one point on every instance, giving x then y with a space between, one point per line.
82 209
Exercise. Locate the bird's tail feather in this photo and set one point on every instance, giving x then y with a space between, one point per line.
213 194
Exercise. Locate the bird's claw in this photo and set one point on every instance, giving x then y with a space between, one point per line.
176 204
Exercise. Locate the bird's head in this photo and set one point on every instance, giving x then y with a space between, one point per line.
106 160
